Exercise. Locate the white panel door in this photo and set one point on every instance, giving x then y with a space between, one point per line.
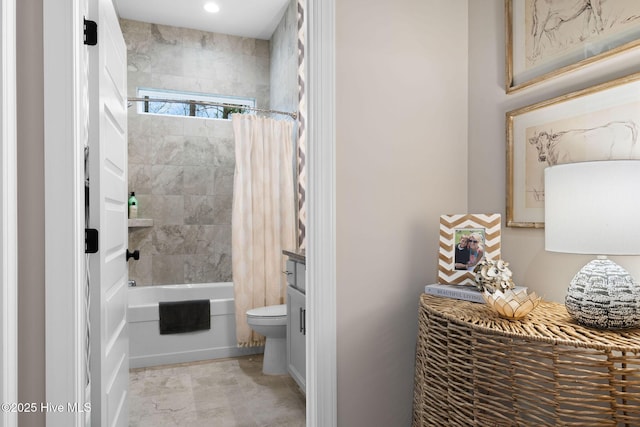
108 213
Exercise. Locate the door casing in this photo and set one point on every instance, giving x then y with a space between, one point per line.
65 87
8 215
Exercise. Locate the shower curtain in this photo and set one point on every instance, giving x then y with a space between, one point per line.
263 216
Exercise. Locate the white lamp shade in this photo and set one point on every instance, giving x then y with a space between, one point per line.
593 207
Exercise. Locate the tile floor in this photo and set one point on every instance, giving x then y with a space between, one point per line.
221 393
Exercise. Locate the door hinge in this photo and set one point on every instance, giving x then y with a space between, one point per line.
90 33
90 240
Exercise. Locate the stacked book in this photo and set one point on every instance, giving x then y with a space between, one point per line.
462 292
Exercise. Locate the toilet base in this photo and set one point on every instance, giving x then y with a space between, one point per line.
275 356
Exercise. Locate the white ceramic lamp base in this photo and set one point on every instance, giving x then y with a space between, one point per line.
604 295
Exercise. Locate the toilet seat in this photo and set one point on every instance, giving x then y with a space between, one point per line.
271 311
272 315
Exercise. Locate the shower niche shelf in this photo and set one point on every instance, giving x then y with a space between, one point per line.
140 222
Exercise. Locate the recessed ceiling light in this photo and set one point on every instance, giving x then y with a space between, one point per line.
212 7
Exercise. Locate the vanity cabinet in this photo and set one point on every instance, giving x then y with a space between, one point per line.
296 319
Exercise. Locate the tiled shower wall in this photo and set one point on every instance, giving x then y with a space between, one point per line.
284 62
284 95
182 168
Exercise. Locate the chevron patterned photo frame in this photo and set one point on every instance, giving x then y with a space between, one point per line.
465 240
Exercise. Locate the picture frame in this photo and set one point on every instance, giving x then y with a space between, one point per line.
547 39
485 228
598 123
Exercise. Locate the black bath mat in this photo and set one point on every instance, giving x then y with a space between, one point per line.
184 316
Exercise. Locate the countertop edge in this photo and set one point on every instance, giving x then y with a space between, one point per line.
296 256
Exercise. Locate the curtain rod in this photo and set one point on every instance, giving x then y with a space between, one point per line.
215 104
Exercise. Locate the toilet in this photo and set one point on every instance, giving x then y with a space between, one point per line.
271 322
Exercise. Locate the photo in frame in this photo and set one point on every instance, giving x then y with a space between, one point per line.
465 240
545 39
597 123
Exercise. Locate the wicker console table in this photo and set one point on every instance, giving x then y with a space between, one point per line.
474 368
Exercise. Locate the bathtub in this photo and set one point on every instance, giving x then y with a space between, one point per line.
148 348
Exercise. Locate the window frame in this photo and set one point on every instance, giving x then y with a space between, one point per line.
227 100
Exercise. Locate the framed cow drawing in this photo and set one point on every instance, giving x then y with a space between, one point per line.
598 123
548 38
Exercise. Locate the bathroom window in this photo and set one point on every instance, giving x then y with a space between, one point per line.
233 104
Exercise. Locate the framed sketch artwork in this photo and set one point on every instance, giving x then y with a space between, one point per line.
598 123
465 240
547 38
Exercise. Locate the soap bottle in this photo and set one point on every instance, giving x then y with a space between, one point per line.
133 205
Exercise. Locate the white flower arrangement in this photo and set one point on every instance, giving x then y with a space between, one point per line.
493 276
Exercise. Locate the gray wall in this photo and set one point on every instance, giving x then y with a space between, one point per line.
31 296
181 168
401 150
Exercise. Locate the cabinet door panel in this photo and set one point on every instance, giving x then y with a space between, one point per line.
296 338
